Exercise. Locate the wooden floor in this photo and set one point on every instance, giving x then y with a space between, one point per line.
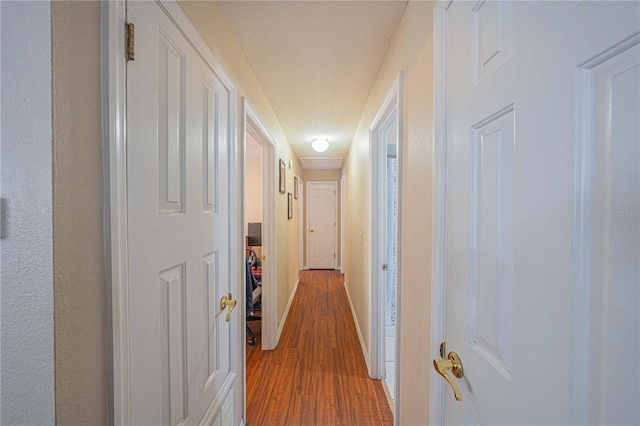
317 375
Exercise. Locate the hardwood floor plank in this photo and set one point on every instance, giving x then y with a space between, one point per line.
317 375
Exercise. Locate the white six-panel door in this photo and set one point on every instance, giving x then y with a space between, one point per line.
179 124
542 211
322 224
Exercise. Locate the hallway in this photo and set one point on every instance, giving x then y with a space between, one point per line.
317 374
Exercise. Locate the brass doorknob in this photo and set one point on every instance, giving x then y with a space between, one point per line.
311 230
231 303
453 363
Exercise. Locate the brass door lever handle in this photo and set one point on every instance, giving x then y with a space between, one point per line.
453 363
231 303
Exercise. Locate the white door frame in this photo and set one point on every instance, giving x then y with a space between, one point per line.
343 218
391 107
335 217
438 264
301 264
114 127
252 124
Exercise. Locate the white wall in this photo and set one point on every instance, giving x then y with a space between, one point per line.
26 268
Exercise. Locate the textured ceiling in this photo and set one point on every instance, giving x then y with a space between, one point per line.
316 62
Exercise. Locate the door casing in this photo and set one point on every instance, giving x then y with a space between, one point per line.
438 268
390 108
252 124
301 259
335 215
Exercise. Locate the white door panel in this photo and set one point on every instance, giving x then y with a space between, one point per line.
178 140
322 225
542 202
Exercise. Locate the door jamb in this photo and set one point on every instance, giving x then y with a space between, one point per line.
391 105
343 219
301 263
252 124
115 207
438 272
335 216
114 125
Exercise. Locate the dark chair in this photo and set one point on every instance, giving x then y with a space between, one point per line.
254 299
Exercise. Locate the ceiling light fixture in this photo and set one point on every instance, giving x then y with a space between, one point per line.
320 144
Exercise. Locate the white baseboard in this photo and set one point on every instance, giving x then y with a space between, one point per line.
390 401
286 311
355 321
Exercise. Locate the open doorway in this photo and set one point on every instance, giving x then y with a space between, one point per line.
259 218
253 231
391 230
386 170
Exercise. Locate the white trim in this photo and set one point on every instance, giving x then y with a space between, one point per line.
252 124
286 310
236 255
387 393
114 141
365 353
390 108
115 207
400 168
301 265
582 257
438 282
343 219
335 219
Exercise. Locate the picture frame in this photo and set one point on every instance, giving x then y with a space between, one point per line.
295 187
282 181
289 206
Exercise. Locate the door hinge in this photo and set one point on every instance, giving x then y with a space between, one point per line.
131 42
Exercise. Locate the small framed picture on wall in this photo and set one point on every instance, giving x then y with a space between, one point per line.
289 206
295 187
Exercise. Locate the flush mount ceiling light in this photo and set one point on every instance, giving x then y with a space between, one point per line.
320 144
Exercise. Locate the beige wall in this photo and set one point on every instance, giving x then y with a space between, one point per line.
411 52
79 276
324 176
321 175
